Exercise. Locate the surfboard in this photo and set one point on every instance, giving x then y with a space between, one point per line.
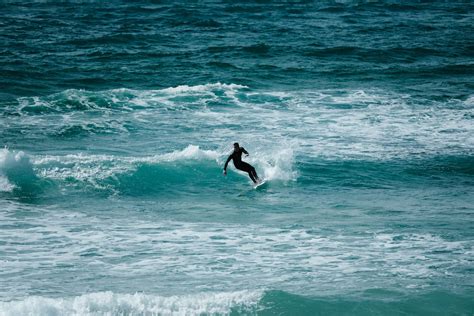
259 184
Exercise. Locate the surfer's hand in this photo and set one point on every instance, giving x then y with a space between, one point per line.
246 155
225 172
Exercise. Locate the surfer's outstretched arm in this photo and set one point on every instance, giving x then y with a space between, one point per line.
226 163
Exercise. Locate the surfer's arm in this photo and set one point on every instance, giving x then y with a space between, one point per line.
226 163
244 151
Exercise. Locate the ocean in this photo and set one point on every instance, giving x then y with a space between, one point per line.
116 119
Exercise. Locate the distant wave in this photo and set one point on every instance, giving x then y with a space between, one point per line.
119 99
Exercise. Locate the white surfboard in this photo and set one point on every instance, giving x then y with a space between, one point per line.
259 184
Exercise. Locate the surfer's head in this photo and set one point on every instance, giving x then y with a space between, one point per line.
236 146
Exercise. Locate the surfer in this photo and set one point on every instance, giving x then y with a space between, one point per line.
236 156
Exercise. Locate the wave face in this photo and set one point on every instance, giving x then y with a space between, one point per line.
116 119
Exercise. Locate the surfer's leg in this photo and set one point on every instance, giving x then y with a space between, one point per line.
254 173
249 169
252 177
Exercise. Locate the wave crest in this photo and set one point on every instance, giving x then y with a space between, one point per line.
16 173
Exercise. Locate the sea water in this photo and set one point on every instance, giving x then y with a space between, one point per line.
117 117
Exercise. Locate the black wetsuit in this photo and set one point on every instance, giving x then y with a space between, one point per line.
236 156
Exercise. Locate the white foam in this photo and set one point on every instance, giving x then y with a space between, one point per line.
203 88
165 98
108 303
5 186
379 124
469 101
277 165
190 152
12 161
356 97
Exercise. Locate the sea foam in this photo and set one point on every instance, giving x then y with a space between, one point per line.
16 170
109 303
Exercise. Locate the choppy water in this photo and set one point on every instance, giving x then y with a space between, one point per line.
117 118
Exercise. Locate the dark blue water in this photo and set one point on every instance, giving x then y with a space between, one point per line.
422 48
117 118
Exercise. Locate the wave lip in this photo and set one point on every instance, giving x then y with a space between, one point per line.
109 303
190 152
16 173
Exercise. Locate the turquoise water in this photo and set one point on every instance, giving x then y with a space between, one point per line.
117 119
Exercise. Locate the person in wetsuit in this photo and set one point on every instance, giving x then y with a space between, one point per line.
236 156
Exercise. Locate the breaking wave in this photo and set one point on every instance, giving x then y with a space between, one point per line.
129 175
109 303
17 175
